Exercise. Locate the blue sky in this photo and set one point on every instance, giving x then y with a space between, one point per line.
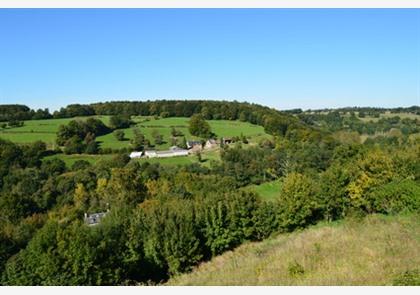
284 58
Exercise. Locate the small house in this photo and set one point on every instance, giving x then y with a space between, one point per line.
211 143
94 218
193 143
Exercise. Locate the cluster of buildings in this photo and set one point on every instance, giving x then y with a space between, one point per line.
193 146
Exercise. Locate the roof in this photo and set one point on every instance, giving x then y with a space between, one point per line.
94 218
135 154
192 143
150 151
176 149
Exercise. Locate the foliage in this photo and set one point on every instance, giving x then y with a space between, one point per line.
120 122
408 278
199 127
166 219
119 135
299 204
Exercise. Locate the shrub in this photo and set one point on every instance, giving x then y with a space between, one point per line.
119 135
395 197
295 269
408 278
299 205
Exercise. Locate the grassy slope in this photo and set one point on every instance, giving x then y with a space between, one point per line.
222 128
373 251
45 130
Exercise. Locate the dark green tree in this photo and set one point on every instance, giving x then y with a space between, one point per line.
199 127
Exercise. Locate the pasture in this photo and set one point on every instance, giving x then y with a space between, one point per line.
45 130
222 128
268 191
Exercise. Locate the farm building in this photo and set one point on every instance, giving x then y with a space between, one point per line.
193 143
211 143
172 152
94 218
136 155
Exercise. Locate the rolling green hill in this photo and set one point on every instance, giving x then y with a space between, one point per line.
45 130
222 128
377 250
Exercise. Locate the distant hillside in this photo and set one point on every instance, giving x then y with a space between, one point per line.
375 251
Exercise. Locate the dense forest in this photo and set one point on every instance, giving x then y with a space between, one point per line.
163 220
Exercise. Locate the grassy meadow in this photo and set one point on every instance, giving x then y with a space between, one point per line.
206 158
222 128
269 191
45 130
376 250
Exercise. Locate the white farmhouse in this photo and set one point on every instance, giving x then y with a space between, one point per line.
150 154
172 152
211 143
136 155
176 151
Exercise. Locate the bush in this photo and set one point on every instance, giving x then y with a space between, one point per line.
299 205
199 127
295 269
119 122
408 278
92 148
119 135
80 165
74 145
395 197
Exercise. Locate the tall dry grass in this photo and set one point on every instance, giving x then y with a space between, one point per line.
372 251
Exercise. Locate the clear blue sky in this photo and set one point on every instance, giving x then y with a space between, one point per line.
283 58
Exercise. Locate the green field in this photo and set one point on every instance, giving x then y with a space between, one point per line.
377 250
206 158
269 191
222 128
45 130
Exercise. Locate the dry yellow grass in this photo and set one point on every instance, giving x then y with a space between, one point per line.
373 251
